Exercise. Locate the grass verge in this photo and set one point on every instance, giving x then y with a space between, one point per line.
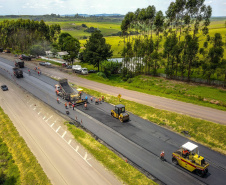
30 170
9 172
109 159
207 133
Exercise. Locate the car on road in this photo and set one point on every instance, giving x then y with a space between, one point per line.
44 63
4 88
69 67
92 71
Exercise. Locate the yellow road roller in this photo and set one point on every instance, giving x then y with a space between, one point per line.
120 113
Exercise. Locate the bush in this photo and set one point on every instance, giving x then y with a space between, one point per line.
101 74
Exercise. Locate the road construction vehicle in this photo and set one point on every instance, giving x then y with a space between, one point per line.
18 72
64 90
188 157
120 113
19 63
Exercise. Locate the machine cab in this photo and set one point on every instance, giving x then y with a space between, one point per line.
119 109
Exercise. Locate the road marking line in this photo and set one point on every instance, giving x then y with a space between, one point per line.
64 134
49 118
85 157
39 112
52 124
58 129
44 118
34 108
69 142
77 148
88 159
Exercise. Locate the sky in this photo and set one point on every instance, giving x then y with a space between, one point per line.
62 7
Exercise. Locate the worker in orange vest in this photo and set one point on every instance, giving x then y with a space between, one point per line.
102 98
70 104
85 105
162 155
65 105
96 101
58 101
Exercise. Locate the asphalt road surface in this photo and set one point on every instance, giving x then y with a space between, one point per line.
138 140
63 160
197 111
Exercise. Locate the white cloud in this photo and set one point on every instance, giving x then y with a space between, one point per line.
208 2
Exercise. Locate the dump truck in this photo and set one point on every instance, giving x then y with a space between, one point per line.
19 63
64 90
18 72
120 113
188 157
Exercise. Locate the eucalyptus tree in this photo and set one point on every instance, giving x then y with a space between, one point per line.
190 53
150 14
213 57
159 22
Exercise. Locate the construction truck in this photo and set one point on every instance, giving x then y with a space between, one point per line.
19 63
64 90
17 72
188 157
120 113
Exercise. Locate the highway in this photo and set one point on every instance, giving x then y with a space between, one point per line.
138 140
63 160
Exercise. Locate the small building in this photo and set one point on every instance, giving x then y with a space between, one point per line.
61 54
49 54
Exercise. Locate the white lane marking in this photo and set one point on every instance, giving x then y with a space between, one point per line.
77 148
34 108
69 142
52 124
44 118
58 129
85 157
64 134
39 112
49 118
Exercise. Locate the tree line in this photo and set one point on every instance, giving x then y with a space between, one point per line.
171 42
21 35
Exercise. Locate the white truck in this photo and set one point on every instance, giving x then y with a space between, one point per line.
79 69
76 68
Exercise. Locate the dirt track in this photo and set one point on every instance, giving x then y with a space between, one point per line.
150 100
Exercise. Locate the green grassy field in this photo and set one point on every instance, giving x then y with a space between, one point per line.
23 157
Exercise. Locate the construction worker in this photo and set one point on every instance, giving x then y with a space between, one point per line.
65 105
162 155
86 99
70 104
58 101
29 71
85 105
102 98
73 106
185 153
38 73
91 99
96 101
